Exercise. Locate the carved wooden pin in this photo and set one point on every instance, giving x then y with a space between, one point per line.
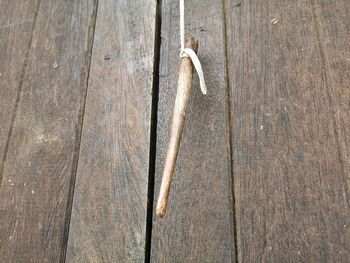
181 106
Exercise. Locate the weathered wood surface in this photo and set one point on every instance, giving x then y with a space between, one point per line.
333 28
41 156
16 30
264 160
110 201
197 226
289 80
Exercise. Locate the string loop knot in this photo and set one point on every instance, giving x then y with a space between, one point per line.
183 54
188 52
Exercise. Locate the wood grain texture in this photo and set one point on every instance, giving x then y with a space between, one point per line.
333 29
333 32
108 221
290 129
16 30
197 227
40 161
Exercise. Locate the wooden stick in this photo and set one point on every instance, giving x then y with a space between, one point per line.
181 105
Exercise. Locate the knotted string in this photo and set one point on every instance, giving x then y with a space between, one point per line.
188 52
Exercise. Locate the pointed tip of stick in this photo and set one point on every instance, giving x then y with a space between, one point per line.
160 212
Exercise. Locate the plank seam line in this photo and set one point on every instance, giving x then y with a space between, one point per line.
19 91
153 132
85 75
330 94
233 220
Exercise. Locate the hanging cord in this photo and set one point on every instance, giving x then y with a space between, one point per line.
188 52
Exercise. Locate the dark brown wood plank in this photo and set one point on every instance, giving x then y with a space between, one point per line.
333 28
42 152
290 191
333 33
110 201
16 29
198 224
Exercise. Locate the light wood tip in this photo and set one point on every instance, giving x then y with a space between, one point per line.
192 43
160 212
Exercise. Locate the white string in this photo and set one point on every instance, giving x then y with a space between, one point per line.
182 24
188 52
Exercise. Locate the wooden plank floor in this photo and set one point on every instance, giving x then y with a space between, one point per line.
110 200
87 89
40 156
290 181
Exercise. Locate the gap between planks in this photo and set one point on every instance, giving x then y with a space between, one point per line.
85 74
19 91
153 133
229 104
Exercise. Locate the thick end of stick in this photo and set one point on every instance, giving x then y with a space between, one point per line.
180 110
